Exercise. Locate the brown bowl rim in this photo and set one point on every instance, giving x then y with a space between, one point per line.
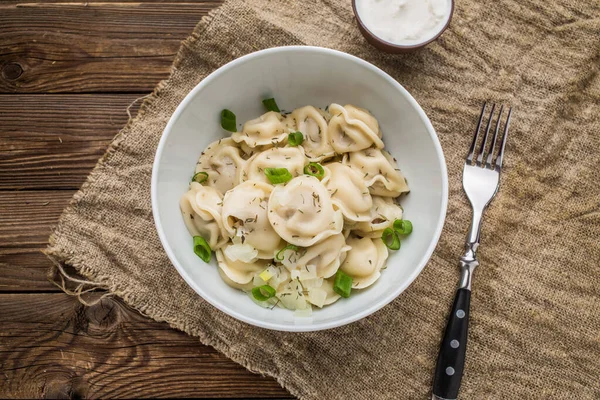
391 47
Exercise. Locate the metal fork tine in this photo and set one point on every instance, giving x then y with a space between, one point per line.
472 149
505 134
485 138
488 162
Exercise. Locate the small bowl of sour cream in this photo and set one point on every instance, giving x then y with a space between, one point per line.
400 26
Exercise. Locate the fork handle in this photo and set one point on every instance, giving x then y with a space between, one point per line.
451 358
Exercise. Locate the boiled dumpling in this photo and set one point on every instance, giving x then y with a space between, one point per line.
245 217
364 261
312 123
301 212
239 273
325 256
352 129
291 158
379 170
383 214
267 129
348 192
201 208
223 162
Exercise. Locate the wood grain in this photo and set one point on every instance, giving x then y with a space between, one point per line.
53 141
92 47
53 347
26 221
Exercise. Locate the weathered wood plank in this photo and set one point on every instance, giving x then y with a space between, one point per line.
26 221
53 141
53 347
92 47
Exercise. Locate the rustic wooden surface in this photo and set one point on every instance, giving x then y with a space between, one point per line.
68 72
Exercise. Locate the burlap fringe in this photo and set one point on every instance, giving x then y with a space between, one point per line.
65 281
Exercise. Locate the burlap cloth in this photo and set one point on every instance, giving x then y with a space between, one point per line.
535 328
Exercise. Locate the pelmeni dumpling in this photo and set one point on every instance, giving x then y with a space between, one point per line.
379 170
352 129
312 122
245 216
291 158
223 162
201 208
364 261
267 129
383 214
348 192
301 212
240 273
325 256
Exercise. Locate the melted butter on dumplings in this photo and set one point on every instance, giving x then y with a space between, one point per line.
301 212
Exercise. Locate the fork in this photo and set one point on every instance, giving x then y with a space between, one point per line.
481 179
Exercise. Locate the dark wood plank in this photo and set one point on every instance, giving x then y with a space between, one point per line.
53 347
26 221
53 141
92 47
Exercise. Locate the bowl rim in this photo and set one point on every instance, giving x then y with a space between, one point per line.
312 327
394 47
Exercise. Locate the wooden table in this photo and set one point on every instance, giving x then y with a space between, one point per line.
68 72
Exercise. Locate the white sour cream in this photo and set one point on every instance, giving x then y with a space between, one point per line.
404 22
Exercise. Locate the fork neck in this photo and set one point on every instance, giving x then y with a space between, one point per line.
468 262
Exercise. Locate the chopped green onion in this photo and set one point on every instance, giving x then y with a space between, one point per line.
271 105
279 255
200 177
342 284
315 169
295 138
228 121
390 234
403 226
202 249
278 175
263 293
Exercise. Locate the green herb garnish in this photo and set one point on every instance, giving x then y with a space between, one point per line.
271 105
202 249
403 226
278 175
391 239
200 177
228 121
263 293
295 138
279 256
315 169
342 284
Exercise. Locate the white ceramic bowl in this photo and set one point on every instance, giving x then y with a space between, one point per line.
297 76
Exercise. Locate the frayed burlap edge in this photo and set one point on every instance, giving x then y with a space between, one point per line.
92 281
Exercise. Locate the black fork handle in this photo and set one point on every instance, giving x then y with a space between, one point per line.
453 349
